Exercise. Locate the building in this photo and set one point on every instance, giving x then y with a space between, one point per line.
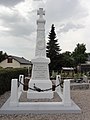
67 72
85 67
15 62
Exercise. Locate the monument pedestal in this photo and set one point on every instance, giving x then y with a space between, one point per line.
45 84
40 77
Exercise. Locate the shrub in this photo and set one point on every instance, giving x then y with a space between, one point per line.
6 75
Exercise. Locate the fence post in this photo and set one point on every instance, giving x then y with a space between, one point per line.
66 93
85 79
58 80
14 93
21 79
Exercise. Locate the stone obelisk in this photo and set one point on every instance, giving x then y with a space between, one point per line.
40 71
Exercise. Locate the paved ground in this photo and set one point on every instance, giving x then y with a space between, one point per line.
80 97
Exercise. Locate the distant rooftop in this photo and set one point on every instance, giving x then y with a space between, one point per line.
21 60
67 68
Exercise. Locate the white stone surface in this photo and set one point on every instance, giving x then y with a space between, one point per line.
42 84
14 93
40 95
58 79
40 70
39 107
40 42
12 106
85 79
58 89
66 93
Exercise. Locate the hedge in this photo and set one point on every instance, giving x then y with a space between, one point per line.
6 75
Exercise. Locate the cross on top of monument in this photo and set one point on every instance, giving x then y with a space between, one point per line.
41 12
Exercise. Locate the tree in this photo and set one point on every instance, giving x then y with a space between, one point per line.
53 49
67 59
79 54
2 56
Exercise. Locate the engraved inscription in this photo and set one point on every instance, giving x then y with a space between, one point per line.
40 71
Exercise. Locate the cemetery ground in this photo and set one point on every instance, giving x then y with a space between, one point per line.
80 97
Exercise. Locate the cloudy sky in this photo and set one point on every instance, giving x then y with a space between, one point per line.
18 24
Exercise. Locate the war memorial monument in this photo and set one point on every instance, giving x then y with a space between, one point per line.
40 84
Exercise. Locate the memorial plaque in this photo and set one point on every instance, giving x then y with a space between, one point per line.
40 71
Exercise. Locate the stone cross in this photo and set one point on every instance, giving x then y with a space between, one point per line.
41 12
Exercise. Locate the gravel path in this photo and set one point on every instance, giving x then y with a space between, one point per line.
4 97
80 97
23 98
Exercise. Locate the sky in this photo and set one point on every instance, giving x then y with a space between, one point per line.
18 24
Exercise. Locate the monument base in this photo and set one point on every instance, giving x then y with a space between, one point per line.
43 85
40 95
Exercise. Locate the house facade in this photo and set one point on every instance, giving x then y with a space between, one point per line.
15 62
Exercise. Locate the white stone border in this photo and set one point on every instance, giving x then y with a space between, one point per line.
13 106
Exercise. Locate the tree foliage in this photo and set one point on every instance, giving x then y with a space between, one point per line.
68 60
6 75
2 56
79 54
53 48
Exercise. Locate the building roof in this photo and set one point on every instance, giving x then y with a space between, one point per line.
21 60
67 68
